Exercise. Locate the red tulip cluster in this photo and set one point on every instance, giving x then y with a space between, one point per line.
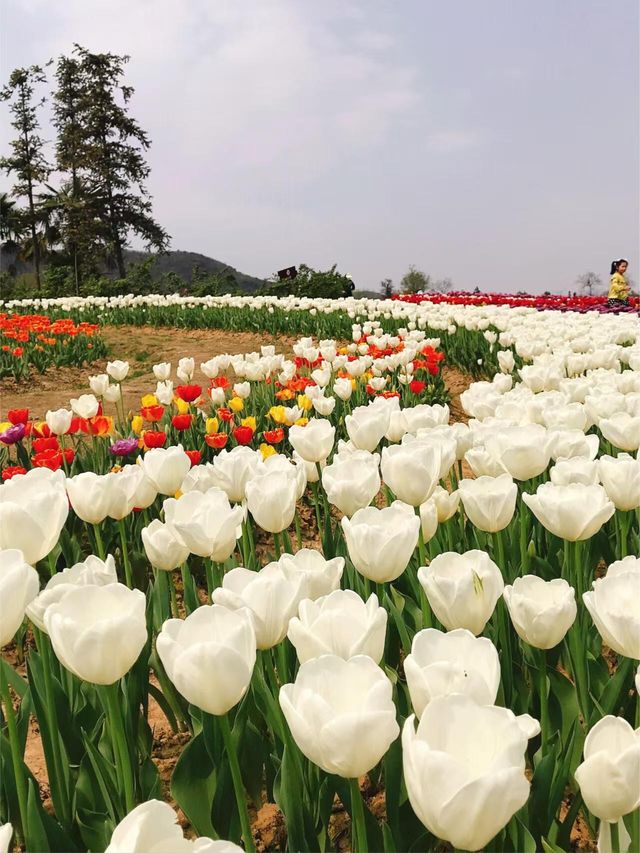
541 302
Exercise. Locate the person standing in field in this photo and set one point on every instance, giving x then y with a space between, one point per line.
619 288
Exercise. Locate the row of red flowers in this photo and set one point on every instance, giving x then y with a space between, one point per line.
541 302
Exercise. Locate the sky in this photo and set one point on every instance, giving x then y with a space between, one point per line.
493 142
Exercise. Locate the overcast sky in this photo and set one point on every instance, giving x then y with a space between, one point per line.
496 142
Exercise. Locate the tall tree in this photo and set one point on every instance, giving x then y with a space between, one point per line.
109 147
27 159
589 281
74 204
415 280
386 288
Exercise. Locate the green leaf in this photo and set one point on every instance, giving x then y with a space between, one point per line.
35 835
193 785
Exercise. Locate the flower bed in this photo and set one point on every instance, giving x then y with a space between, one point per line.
35 341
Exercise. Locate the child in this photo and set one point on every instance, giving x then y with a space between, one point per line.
619 289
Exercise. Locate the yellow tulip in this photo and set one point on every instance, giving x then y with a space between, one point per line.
236 404
5 425
276 413
302 421
181 406
250 422
304 402
149 400
137 423
268 450
211 426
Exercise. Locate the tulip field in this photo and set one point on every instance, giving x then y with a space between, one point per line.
395 624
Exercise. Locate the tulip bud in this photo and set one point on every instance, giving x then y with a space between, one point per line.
463 757
462 589
573 512
339 624
209 656
341 713
166 468
541 611
85 406
99 384
489 502
118 370
162 548
609 606
411 471
59 422
205 523
456 662
313 442
351 483
152 827
33 510
162 371
19 585
381 541
609 776
98 632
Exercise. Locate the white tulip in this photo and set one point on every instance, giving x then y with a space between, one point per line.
118 370
455 662
166 468
341 713
464 768
341 624
59 422
541 611
462 589
19 585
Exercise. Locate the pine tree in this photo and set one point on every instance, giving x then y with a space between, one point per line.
109 145
76 204
27 159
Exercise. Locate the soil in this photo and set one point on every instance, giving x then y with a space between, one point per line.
142 347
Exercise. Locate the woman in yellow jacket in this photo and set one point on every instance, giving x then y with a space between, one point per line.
619 288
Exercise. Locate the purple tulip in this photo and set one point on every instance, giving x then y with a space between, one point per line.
124 446
13 435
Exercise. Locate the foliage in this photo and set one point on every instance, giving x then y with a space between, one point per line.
326 284
414 280
589 282
27 159
386 288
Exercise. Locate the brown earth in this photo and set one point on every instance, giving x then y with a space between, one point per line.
142 347
145 346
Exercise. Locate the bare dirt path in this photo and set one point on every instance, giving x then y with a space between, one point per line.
142 347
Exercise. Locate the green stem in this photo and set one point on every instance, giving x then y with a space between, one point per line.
125 553
524 557
99 542
500 553
358 826
238 787
62 803
276 546
421 547
174 598
544 698
16 757
111 692
615 838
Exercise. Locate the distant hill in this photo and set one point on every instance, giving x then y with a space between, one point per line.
183 263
